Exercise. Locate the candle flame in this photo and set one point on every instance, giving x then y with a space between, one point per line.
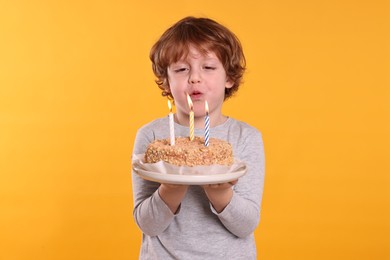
189 101
169 106
206 107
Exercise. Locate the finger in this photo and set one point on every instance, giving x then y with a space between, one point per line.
233 182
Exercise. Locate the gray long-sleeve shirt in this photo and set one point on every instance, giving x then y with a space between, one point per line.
197 231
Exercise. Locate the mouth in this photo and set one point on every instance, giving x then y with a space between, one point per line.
196 95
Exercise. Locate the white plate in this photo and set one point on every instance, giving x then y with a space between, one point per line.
190 179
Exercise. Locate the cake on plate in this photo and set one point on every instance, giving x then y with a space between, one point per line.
190 153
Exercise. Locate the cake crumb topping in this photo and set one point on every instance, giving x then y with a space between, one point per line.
190 153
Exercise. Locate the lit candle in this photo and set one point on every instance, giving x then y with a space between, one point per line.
206 126
191 117
171 124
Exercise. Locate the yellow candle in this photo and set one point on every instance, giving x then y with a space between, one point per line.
192 127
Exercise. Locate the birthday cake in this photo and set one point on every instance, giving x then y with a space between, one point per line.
190 153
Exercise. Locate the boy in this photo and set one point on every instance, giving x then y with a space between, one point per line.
203 58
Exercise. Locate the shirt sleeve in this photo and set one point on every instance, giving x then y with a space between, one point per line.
150 212
242 215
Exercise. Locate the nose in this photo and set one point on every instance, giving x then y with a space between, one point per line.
194 77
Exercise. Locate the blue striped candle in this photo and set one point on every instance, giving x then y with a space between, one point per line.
206 126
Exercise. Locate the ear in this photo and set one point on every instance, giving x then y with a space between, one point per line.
229 84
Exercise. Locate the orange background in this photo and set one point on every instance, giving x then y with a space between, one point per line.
76 84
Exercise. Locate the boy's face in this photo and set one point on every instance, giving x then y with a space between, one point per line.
203 77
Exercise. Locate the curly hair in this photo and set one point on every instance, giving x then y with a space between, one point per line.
206 35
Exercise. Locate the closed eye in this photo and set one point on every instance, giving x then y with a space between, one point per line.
180 70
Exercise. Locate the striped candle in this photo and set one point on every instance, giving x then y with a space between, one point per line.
192 126
206 126
171 124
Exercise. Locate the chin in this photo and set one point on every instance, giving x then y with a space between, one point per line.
200 111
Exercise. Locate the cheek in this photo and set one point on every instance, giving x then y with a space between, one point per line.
178 94
173 82
176 85
174 88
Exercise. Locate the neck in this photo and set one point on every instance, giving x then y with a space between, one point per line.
199 120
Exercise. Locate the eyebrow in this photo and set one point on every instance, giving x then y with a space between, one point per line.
206 58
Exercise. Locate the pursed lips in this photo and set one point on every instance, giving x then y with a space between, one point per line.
196 95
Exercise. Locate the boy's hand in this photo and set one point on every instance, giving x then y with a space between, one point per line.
172 195
219 194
